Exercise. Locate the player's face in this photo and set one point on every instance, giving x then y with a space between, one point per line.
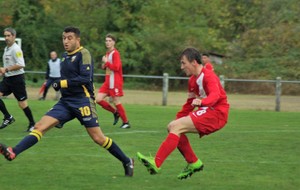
70 41
205 59
53 55
187 66
109 43
9 38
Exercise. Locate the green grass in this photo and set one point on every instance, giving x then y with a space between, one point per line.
256 150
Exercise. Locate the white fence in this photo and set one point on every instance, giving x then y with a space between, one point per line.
165 84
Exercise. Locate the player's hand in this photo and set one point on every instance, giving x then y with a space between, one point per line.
104 59
196 102
56 85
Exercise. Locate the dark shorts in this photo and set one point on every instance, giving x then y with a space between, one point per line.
82 108
16 85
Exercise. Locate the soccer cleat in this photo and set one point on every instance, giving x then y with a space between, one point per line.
129 168
30 127
125 126
7 152
41 98
7 121
190 169
149 163
116 118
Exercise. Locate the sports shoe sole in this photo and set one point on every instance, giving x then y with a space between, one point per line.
190 174
148 166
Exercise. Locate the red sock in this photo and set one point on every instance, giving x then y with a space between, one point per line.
186 150
121 111
166 148
107 106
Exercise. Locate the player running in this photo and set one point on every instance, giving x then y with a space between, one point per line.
77 101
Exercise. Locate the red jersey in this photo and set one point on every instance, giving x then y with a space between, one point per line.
114 72
209 66
207 87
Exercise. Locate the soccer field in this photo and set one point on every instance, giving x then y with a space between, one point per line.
255 150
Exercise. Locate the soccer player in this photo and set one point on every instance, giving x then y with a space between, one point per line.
13 80
52 74
206 61
77 101
205 111
113 85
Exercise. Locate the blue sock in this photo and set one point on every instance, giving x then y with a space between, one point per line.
28 141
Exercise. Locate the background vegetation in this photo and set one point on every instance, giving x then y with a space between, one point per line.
260 39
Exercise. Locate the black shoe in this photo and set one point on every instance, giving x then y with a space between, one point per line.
30 127
7 121
125 126
129 168
41 98
7 152
116 118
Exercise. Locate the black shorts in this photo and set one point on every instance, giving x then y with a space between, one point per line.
16 85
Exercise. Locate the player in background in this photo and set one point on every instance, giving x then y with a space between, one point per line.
206 61
52 74
113 84
13 79
77 101
205 111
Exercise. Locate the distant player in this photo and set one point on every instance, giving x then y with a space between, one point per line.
77 101
206 61
113 84
205 111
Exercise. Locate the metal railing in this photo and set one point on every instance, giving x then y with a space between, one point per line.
165 83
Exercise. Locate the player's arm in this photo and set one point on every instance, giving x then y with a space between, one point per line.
187 107
85 74
116 65
47 72
213 90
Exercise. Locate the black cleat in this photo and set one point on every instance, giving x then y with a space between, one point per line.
7 152
30 127
116 118
129 168
125 126
7 121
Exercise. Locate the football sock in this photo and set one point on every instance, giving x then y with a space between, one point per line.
165 149
186 150
28 114
122 113
115 150
3 109
105 105
28 141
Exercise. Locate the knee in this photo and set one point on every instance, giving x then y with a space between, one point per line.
171 126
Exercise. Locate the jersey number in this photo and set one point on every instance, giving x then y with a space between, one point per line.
200 112
85 111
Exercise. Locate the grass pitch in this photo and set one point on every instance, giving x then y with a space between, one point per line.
255 150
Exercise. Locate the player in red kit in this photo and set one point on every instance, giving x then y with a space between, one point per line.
113 85
206 61
205 111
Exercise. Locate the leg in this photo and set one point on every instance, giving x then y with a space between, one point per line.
98 137
8 119
121 111
40 128
175 128
105 105
24 106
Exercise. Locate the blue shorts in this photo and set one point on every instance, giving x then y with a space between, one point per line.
82 108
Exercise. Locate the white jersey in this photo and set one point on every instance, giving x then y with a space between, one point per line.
13 56
54 68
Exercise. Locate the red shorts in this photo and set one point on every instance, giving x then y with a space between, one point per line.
207 120
110 92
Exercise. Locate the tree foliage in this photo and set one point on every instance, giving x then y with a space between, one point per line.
152 33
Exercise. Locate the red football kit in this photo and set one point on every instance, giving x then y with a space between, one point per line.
113 85
212 115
